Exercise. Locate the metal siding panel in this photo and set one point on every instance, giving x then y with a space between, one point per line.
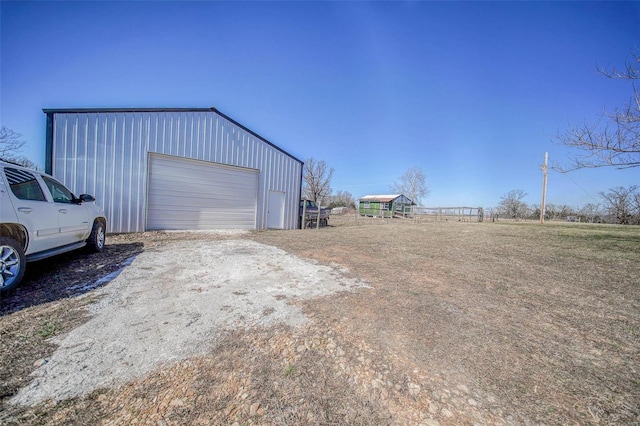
292 195
287 200
68 135
134 170
266 182
200 124
224 148
275 168
125 170
231 147
243 149
166 135
99 164
108 166
117 193
57 149
137 162
113 223
154 132
71 148
281 173
170 135
249 151
144 153
80 166
59 145
188 136
91 163
211 142
204 137
166 131
217 149
185 136
235 148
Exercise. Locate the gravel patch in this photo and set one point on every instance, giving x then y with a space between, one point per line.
174 302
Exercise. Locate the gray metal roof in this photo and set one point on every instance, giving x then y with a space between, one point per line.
382 198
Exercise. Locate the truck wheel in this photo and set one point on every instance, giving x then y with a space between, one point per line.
95 242
12 264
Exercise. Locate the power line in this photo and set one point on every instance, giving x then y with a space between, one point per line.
578 185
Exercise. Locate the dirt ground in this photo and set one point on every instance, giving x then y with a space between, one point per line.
465 323
173 303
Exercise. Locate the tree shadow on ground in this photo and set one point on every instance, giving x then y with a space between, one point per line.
68 275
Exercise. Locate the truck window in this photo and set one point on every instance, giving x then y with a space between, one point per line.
24 185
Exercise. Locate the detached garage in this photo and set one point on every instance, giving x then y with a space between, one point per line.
174 169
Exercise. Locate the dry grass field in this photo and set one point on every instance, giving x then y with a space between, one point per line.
464 323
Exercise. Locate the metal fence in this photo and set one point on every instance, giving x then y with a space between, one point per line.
445 214
433 214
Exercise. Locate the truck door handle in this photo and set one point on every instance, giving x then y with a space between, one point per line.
25 209
63 211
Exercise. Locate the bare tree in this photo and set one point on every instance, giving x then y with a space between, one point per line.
620 203
613 140
512 206
11 143
342 199
635 207
412 184
317 180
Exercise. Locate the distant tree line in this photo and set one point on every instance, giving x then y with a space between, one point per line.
620 205
342 199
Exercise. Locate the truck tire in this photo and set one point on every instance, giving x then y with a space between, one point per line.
95 242
12 264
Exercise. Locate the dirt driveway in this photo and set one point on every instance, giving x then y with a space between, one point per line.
175 302
463 323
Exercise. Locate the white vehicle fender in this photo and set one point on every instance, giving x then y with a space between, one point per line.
7 212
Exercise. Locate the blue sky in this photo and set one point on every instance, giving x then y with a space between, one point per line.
474 93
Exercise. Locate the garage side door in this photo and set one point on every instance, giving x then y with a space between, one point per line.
192 194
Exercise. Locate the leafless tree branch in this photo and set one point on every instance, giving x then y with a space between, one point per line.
317 179
11 143
614 139
412 184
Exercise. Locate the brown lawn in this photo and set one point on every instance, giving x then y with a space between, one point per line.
485 323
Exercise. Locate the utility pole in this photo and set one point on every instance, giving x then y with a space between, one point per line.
544 168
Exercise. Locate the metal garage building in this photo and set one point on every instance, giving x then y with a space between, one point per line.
173 168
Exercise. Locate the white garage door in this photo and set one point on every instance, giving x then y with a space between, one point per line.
192 194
